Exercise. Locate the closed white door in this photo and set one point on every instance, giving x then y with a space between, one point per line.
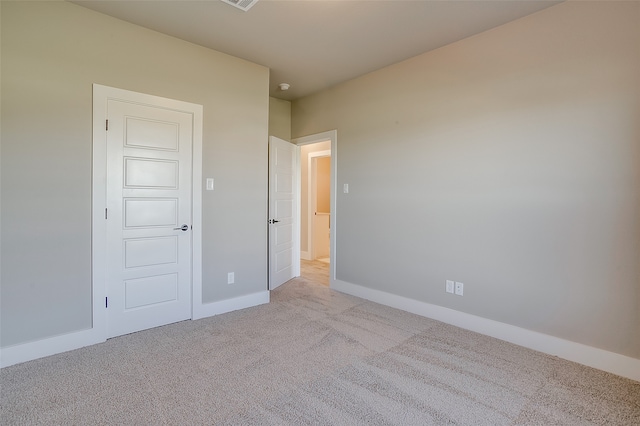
148 267
283 207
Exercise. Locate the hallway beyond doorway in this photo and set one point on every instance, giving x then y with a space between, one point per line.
315 271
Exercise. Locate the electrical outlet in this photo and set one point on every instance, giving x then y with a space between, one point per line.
449 286
459 289
231 278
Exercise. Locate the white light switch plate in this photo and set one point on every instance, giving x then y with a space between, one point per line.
449 287
345 188
209 184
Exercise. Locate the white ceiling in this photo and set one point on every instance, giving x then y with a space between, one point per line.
315 44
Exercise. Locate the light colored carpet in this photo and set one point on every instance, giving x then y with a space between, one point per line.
312 357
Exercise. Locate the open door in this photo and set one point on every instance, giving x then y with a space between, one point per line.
283 211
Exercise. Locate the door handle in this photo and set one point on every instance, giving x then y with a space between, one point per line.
272 221
184 227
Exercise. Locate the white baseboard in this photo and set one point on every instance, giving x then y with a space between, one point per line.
216 308
305 255
587 355
17 354
23 352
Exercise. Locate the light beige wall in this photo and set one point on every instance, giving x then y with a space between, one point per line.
52 53
323 185
509 161
280 118
305 150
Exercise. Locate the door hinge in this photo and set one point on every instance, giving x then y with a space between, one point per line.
106 216
106 302
106 125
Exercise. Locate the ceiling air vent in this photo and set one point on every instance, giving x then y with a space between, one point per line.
241 4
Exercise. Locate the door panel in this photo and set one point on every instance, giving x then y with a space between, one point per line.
283 160
148 200
149 173
150 251
147 291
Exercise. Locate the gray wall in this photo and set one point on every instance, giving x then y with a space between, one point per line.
52 53
509 161
280 118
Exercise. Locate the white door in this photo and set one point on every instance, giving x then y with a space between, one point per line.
283 211
148 265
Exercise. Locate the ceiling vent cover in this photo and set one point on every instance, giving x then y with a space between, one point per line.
241 4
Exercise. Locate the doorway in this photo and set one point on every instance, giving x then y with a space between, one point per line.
319 202
317 217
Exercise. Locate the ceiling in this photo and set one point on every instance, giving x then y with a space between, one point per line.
315 44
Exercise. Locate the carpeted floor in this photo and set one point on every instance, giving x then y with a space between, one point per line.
312 356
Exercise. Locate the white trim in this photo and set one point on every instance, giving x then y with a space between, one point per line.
331 135
229 305
101 95
17 354
196 212
24 352
587 355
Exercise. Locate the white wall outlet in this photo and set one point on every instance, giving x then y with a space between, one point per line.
345 188
449 287
459 289
231 278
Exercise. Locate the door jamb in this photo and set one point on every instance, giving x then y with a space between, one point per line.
101 95
331 135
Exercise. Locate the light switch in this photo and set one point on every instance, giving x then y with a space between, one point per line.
209 184
345 188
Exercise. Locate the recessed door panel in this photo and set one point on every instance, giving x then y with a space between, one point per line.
284 235
150 212
141 252
150 173
284 209
285 260
147 133
149 291
284 158
284 183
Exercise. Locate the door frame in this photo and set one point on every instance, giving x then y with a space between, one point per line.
331 135
312 185
101 95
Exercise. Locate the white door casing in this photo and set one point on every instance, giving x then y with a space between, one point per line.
147 264
283 211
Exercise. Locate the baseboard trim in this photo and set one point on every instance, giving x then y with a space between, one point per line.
305 255
24 352
222 307
587 355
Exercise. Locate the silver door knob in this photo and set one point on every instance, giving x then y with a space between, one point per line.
184 227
